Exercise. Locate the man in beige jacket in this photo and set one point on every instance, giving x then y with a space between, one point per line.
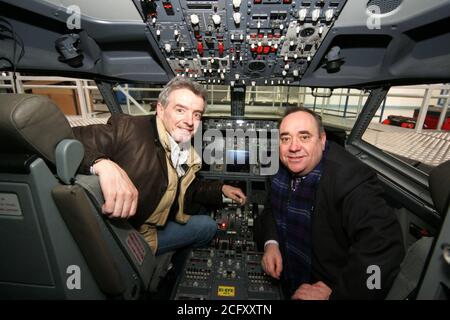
147 169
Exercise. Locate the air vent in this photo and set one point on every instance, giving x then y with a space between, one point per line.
385 5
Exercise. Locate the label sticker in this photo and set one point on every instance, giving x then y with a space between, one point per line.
226 291
9 204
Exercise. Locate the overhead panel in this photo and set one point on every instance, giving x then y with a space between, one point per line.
254 42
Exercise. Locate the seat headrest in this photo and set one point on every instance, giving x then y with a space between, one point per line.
31 124
440 187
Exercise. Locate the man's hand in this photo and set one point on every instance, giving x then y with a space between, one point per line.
234 194
120 194
272 263
317 291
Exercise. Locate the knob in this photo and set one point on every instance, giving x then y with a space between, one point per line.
315 15
237 17
286 66
194 19
236 76
295 73
236 4
281 26
216 19
302 14
329 15
158 32
167 47
284 73
175 33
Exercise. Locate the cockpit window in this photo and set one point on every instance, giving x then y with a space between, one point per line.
413 125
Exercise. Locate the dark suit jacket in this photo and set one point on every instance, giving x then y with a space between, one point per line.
352 229
133 143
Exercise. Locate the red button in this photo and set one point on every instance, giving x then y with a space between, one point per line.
200 48
220 46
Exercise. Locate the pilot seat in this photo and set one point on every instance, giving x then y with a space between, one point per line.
55 243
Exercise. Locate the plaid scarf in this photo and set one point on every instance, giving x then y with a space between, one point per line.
293 199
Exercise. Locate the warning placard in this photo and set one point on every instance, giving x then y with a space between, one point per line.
226 291
9 204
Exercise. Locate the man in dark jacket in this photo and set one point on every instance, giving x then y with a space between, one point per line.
147 169
328 233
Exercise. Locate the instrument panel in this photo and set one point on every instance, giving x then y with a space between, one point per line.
240 42
230 268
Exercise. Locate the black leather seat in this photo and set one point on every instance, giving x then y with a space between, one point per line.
435 282
423 273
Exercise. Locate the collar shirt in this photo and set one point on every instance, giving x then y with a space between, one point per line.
179 154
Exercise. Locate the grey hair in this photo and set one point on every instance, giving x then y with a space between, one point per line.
181 83
316 117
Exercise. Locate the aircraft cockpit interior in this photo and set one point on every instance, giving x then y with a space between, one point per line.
376 72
